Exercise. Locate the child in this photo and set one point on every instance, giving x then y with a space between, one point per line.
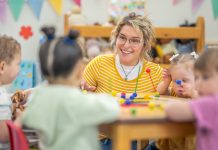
10 57
204 111
64 116
182 76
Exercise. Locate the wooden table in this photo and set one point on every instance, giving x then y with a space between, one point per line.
145 124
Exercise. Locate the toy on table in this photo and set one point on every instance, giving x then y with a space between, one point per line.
148 70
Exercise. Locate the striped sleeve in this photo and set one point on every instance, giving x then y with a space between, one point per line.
91 72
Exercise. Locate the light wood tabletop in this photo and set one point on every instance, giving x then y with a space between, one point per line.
140 121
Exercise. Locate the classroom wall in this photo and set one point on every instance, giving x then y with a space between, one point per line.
162 13
48 17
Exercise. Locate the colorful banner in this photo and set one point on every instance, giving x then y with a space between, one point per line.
215 8
3 4
36 6
57 6
196 4
175 2
16 7
78 2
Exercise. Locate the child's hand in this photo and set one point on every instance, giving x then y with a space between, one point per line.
189 91
84 86
166 76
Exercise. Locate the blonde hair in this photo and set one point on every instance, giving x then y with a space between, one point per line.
183 59
8 48
139 23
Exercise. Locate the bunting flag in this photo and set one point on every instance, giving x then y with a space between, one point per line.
215 8
16 7
3 4
57 6
175 2
78 2
36 6
196 4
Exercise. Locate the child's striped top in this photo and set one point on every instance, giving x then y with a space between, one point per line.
102 73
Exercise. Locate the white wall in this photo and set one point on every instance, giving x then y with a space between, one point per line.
48 17
163 13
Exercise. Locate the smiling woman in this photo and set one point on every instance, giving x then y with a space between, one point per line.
119 72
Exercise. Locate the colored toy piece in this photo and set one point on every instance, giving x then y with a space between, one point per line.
134 95
113 93
179 82
148 70
84 91
133 111
156 94
123 95
122 101
148 96
151 105
128 102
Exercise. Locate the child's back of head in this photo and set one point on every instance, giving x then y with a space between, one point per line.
59 56
10 56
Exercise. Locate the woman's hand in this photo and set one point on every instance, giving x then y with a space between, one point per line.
84 86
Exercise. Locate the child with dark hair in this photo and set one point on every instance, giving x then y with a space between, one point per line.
10 57
65 117
204 110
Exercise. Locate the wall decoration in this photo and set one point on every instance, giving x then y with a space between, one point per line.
56 5
36 6
78 2
3 4
175 2
26 32
196 4
215 8
16 7
120 8
26 78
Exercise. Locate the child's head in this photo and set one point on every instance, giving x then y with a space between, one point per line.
182 74
206 72
60 58
10 57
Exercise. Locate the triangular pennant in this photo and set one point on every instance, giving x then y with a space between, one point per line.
175 2
36 6
3 4
16 7
196 4
78 2
215 8
56 5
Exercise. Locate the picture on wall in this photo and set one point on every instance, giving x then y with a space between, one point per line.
120 8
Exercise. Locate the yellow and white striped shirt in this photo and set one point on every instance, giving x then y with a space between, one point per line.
102 73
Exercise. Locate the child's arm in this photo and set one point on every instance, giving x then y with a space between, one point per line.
4 135
162 87
179 111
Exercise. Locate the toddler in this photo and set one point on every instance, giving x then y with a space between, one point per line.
10 58
64 117
204 111
181 74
